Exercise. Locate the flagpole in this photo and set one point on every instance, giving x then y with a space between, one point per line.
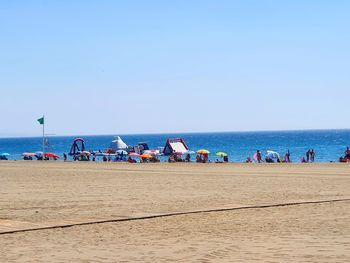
43 137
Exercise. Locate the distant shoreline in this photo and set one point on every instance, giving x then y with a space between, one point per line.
178 163
180 133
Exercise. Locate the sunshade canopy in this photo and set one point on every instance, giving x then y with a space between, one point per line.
221 154
203 151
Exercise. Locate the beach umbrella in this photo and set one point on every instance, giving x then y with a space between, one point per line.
122 152
39 153
134 154
203 151
52 155
145 155
153 152
273 155
221 154
5 154
28 154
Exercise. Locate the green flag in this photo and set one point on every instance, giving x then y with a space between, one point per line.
41 120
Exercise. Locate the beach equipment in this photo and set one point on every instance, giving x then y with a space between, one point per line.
175 145
134 154
152 152
221 154
139 148
203 151
121 152
142 146
28 154
51 155
117 144
3 156
84 156
145 155
77 146
272 155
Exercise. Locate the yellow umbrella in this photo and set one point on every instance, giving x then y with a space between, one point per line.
203 151
221 154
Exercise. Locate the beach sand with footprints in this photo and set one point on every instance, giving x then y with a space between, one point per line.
114 212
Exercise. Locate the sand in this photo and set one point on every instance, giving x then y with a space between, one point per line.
46 194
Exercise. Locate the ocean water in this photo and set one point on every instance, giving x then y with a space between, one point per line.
328 144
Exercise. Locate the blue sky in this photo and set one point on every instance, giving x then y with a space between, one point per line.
116 67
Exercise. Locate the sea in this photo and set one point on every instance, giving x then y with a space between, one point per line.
329 145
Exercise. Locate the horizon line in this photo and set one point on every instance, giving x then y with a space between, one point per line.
174 133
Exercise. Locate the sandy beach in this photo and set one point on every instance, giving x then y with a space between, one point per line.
270 215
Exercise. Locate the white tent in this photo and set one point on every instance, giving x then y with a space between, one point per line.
118 144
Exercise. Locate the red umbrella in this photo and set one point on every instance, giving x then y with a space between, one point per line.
51 155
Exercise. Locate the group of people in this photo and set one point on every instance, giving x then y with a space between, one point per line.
272 158
38 157
174 158
153 159
224 160
310 156
200 158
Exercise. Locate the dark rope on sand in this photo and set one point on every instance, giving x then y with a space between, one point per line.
175 214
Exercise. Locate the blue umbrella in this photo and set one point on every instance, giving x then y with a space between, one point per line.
5 154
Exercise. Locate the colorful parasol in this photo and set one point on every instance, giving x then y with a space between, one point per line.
221 154
134 154
203 151
51 155
145 155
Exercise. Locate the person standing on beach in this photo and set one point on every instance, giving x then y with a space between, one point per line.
258 156
308 156
287 157
312 155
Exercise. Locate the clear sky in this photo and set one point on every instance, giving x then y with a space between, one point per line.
116 67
